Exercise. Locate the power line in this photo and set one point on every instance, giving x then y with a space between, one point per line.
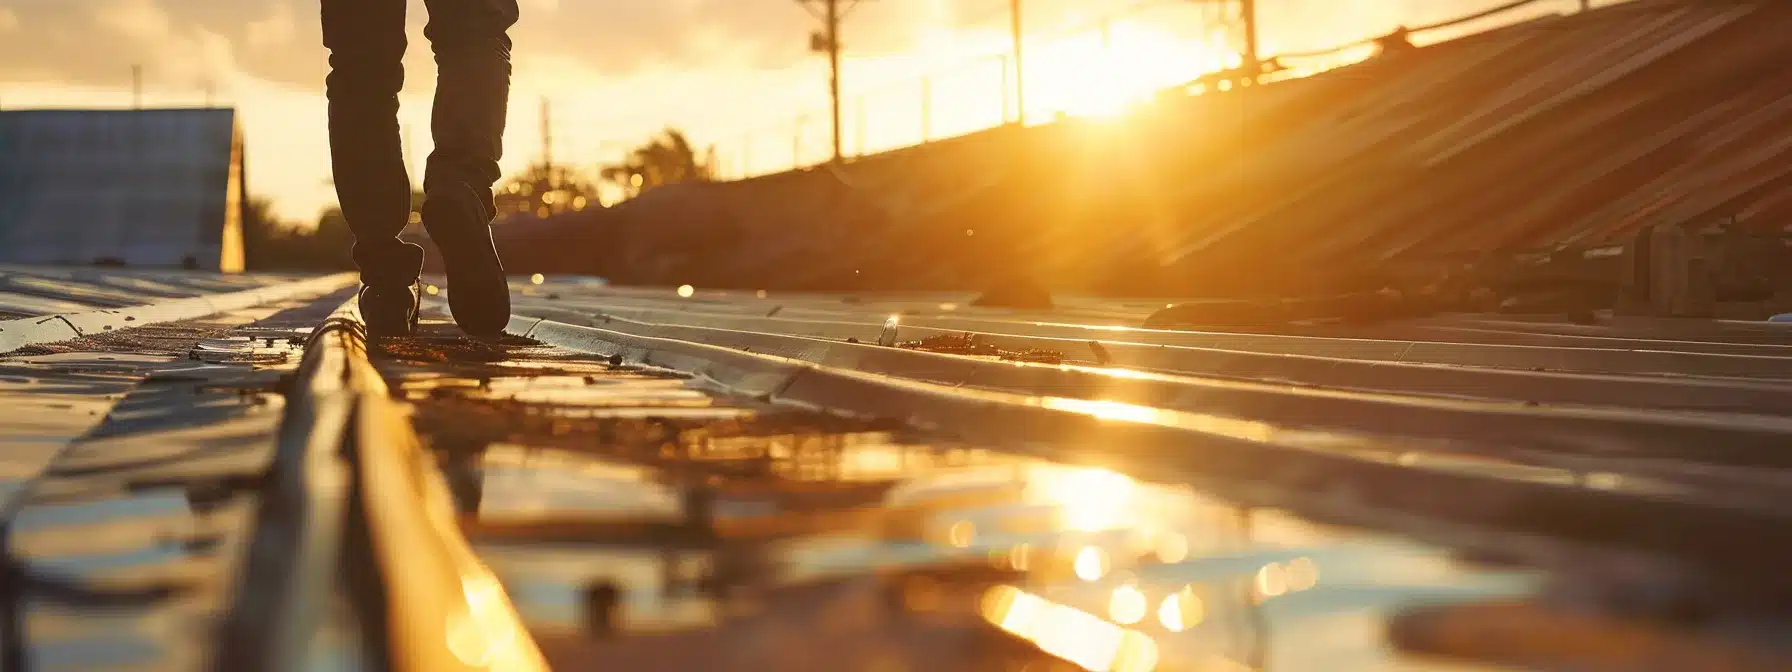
1447 23
832 13
1479 15
995 9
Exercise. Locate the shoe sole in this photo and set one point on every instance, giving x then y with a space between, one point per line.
473 262
467 316
380 329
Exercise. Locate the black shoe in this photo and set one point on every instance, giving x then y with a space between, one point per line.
478 292
391 311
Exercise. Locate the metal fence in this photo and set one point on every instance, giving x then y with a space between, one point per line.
1101 66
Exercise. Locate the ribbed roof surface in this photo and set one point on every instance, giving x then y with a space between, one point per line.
1562 132
1565 131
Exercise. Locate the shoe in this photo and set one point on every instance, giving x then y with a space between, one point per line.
391 311
478 291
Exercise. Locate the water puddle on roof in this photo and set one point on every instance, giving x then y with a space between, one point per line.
626 505
942 527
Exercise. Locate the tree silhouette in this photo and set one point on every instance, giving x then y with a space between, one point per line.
273 244
668 158
544 190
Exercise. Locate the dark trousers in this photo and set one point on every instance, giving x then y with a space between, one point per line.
366 39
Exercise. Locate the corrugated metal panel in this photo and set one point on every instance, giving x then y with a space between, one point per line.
1567 130
139 187
1660 112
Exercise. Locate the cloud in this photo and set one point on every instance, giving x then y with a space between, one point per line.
136 19
280 40
179 43
277 29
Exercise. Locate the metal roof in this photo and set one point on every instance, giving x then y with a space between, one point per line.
1571 130
1568 131
137 187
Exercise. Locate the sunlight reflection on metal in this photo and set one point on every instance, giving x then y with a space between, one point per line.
483 636
1172 548
961 534
1088 500
887 337
1249 430
1603 481
1129 374
1020 557
1272 580
1127 606
1182 610
1091 563
1091 327
1106 410
1303 574
1068 633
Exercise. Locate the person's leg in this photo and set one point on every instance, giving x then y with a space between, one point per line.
367 42
472 48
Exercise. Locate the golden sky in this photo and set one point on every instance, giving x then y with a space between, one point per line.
733 73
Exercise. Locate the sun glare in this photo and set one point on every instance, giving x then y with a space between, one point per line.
1096 76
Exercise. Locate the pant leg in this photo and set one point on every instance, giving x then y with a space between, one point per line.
367 42
472 48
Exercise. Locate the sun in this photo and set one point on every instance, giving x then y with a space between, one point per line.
1093 75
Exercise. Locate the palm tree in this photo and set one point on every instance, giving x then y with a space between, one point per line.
668 158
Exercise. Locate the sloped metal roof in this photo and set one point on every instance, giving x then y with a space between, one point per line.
1567 131
138 187
1571 130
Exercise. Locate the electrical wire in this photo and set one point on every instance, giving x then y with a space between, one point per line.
1213 11
1447 23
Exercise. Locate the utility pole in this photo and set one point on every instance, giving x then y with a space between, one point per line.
834 69
547 133
1252 66
1020 85
547 143
831 13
